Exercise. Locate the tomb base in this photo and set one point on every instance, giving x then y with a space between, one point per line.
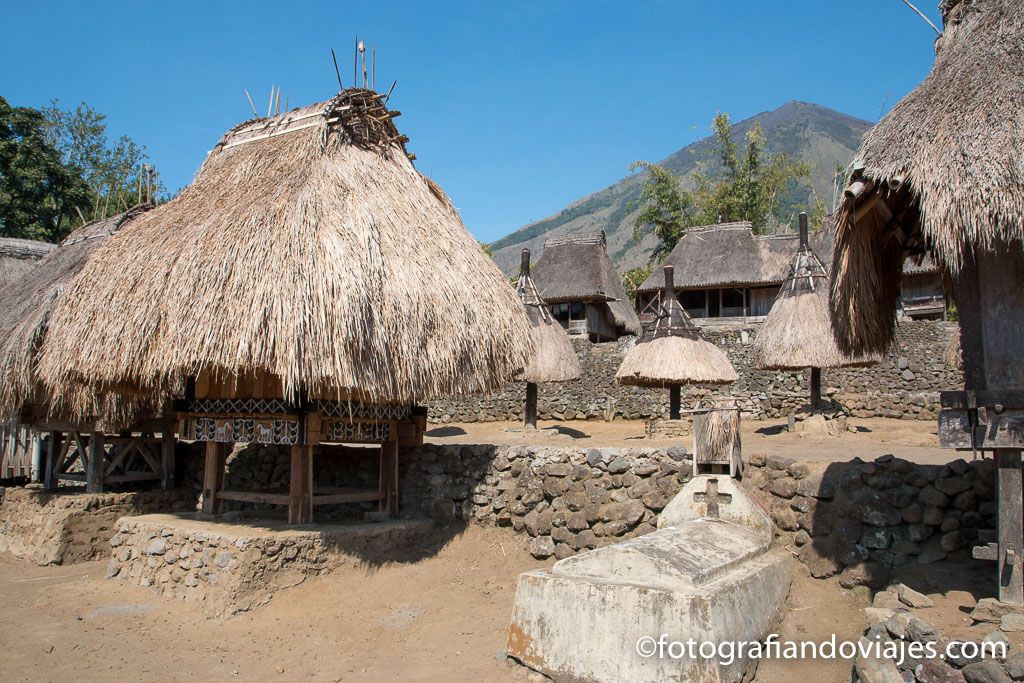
830 419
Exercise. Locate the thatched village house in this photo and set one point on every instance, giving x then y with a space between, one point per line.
943 174
82 428
553 358
17 256
797 333
310 286
725 271
577 279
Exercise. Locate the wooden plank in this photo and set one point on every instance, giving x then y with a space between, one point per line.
1005 430
95 464
1011 527
1009 398
53 450
213 477
167 460
132 476
255 497
300 490
72 476
338 498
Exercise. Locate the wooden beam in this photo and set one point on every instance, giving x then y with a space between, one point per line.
300 491
95 463
255 497
531 405
167 461
355 496
53 451
213 477
1011 527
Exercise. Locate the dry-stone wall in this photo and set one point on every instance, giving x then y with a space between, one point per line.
904 385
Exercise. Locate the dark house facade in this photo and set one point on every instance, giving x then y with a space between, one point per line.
577 279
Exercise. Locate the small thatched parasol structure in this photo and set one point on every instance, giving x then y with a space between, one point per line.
18 256
553 358
672 352
797 333
309 286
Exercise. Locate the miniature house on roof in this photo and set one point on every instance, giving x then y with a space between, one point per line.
309 286
577 279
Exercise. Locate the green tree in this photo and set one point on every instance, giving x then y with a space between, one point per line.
39 194
633 278
111 169
664 207
750 181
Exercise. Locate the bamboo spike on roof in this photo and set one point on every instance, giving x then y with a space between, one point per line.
553 358
308 248
797 333
943 172
673 351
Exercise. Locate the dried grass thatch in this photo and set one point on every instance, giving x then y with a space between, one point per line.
308 247
672 351
553 358
18 256
943 172
797 333
717 430
25 311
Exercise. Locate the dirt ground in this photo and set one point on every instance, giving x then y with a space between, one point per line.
914 440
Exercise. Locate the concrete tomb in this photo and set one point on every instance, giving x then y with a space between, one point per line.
708 573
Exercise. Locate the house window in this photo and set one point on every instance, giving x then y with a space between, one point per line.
574 310
693 299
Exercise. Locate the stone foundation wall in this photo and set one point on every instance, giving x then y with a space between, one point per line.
904 385
71 525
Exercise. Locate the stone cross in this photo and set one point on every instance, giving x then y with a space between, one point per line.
713 498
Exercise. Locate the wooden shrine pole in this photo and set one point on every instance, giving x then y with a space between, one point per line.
300 490
167 460
531 405
53 452
815 388
213 477
674 402
95 464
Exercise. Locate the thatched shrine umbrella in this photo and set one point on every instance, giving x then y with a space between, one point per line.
553 358
672 352
77 418
943 174
310 286
797 333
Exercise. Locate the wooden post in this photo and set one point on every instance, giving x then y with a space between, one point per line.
1010 528
389 477
674 402
531 405
815 388
52 454
300 491
95 464
213 477
167 462
37 457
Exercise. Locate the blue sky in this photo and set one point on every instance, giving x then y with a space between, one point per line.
515 108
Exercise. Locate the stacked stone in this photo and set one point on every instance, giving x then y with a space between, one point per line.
898 614
904 385
859 519
566 499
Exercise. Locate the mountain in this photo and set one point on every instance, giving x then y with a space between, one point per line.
817 134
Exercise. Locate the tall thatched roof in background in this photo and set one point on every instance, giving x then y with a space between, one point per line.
672 350
731 255
797 333
577 268
25 311
553 358
307 247
18 256
942 172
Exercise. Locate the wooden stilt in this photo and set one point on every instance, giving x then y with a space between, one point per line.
300 493
95 463
391 449
167 462
53 454
1010 531
815 388
531 405
213 477
674 402
37 457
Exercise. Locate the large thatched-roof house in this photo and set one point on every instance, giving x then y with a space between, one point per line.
309 286
17 256
726 271
578 280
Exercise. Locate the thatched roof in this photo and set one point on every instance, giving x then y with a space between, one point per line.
672 350
942 172
17 256
797 333
25 311
576 267
731 255
553 358
309 248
